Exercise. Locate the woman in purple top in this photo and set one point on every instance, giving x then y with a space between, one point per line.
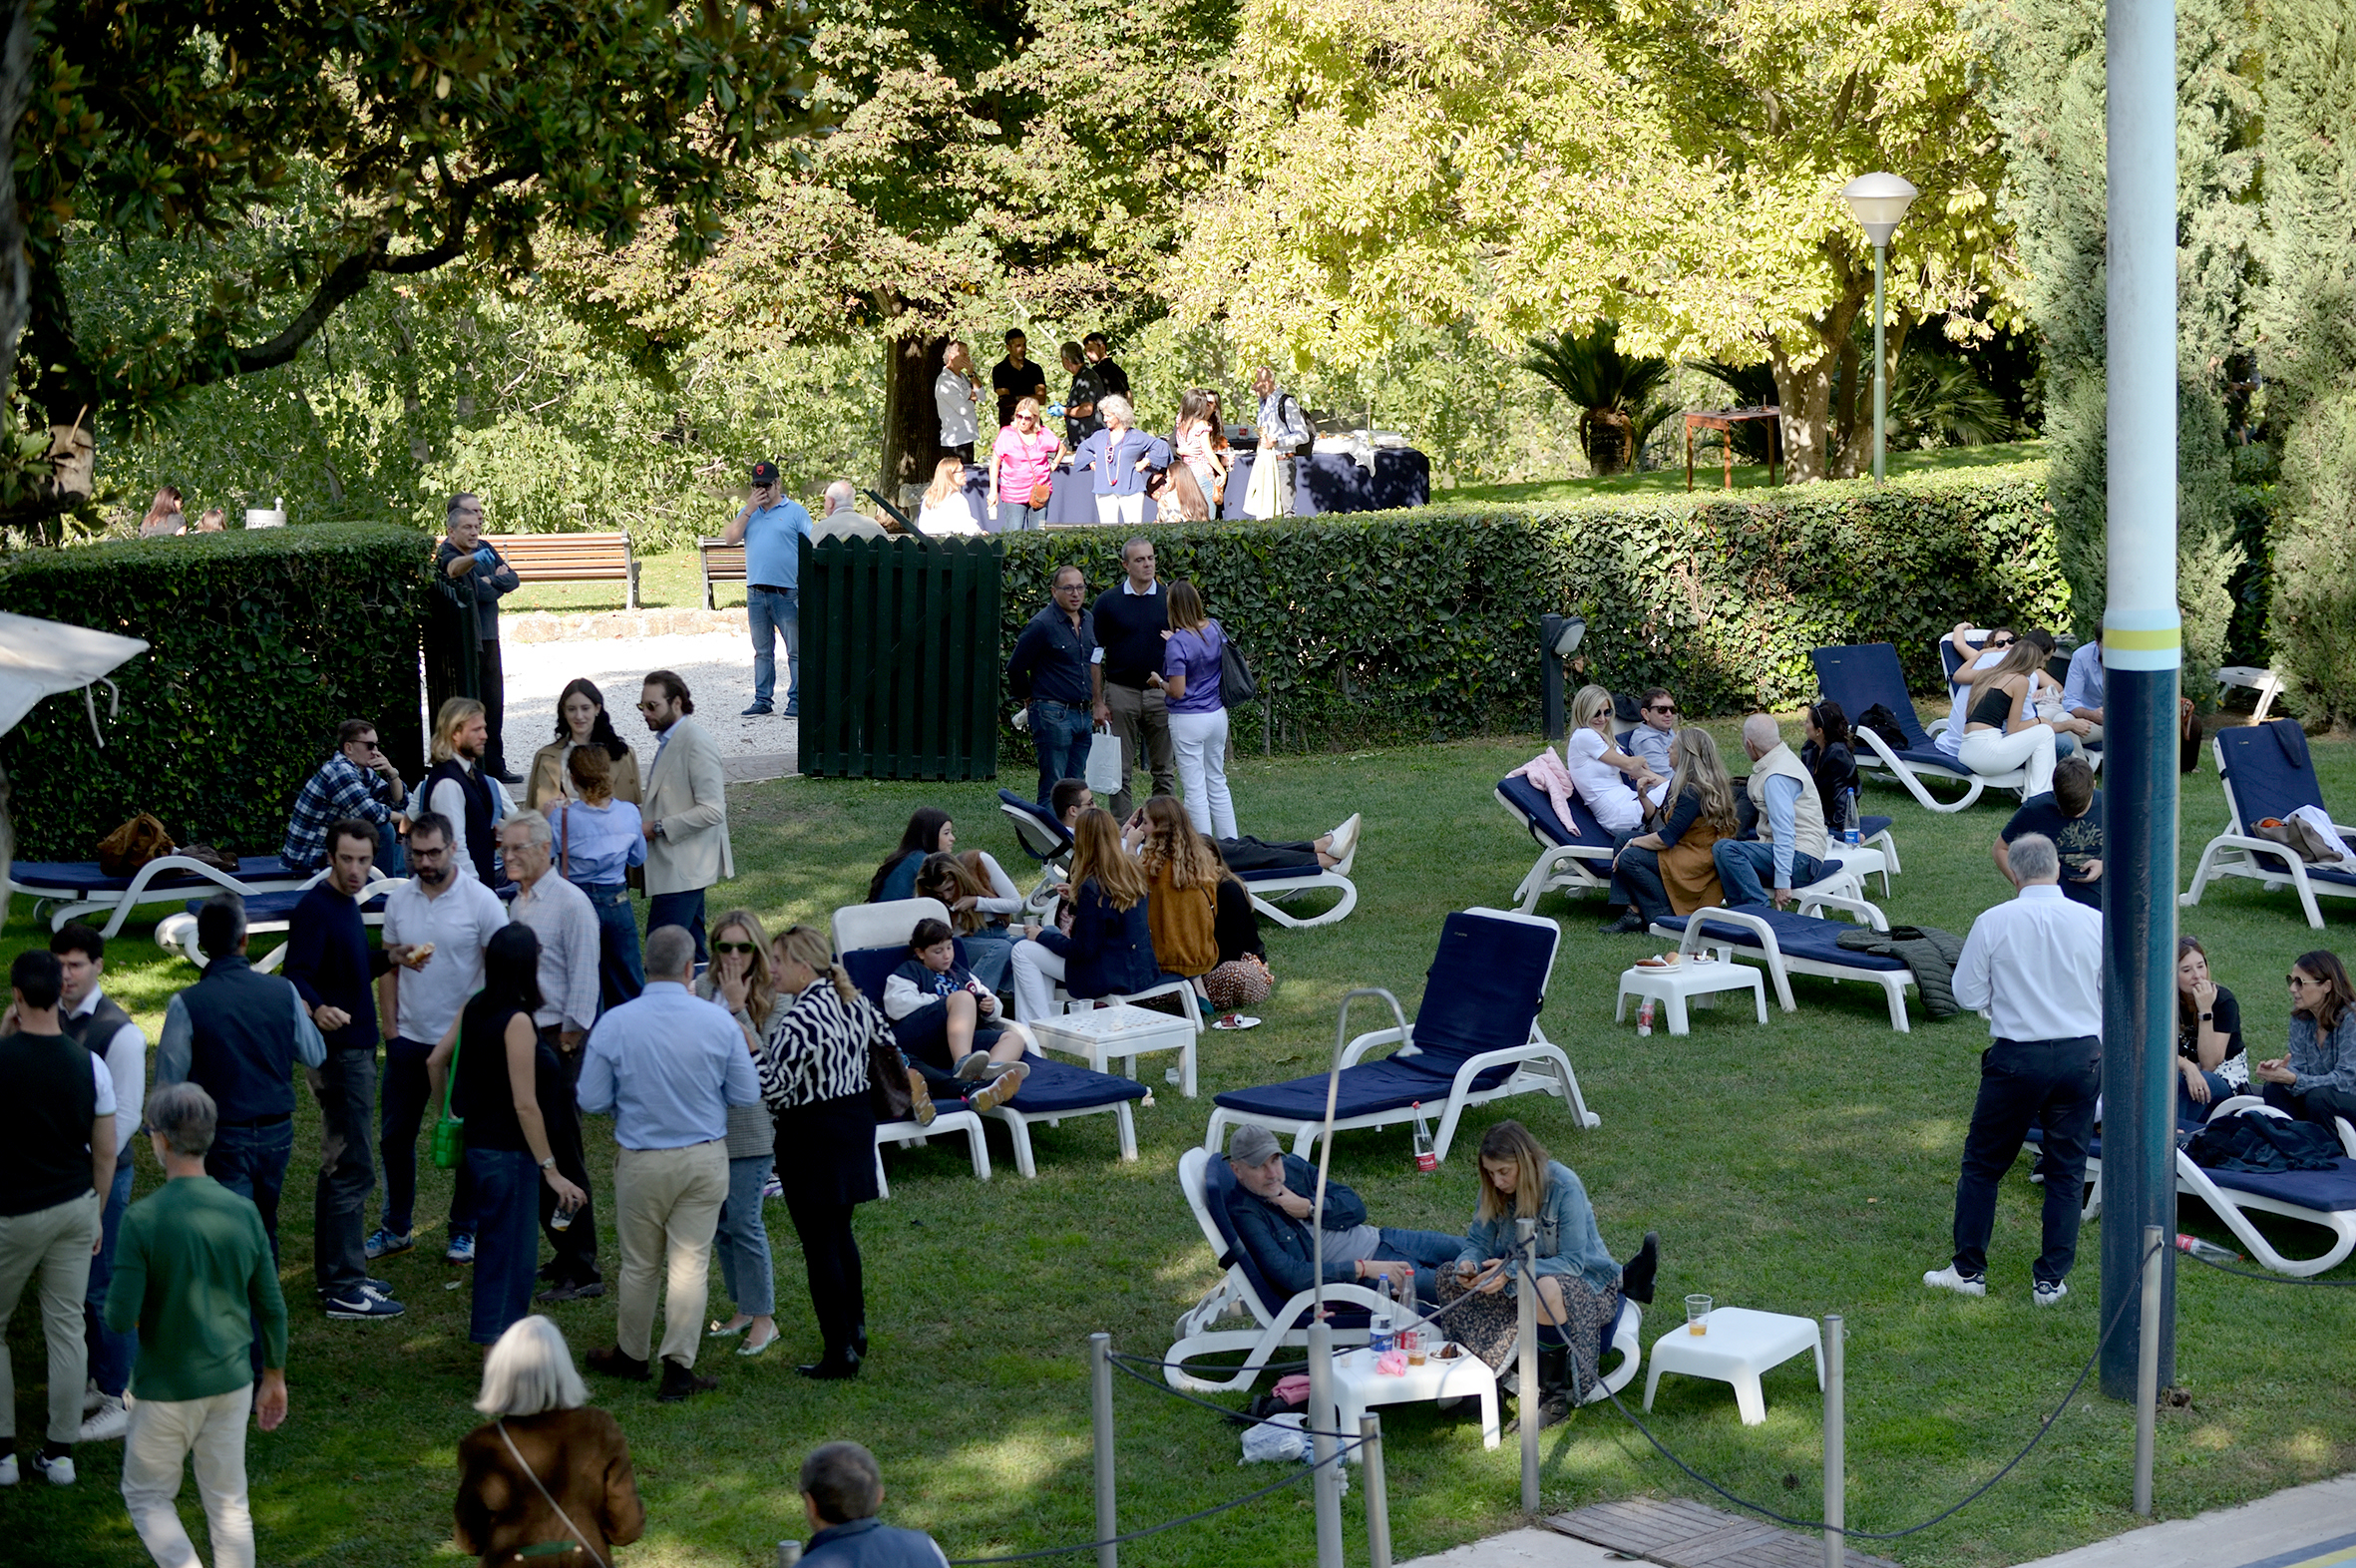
1189 680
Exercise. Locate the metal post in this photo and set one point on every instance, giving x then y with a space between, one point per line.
1101 1413
2147 1372
2141 656
1325 1483
1370 1427
1835 1441
1881 400
1550 673
1526 1323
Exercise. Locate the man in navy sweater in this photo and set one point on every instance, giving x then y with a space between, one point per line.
1130 618
333 969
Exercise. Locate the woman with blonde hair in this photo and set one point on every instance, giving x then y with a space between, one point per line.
1670 870
1189 680
1023 468
1182 874
598 838
945 510
739 979
1108 949
1600 770
549 1474
1579 1286
812 1070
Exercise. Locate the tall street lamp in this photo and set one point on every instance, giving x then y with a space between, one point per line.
1879 203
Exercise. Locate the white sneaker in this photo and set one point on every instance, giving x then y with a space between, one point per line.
108 1422
1948 1280
60 1470
91 1397
2049 1295
1344 843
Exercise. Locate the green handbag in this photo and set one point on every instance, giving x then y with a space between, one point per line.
450 1131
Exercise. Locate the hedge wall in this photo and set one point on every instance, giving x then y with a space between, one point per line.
1419 625
260 644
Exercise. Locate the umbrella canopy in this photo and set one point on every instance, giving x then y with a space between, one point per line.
40 658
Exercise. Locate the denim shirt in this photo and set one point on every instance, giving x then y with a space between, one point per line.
2323 1061
1568 1241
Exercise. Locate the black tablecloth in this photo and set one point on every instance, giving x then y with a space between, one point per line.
1322 481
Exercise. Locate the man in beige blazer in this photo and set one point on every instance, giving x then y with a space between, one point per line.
685 811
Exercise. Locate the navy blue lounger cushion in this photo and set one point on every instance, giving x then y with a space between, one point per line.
1867 827
1278 873
262 907
1799 935
83 876
2271 773
1039 814
1535 804
2331 1191
1385 1083
1859 677
1219 1188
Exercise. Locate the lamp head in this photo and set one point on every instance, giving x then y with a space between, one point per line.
1879 203
1566 642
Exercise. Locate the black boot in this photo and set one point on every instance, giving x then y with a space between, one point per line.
1638 1273
1627 924
1554 1385
835 1365
681 1381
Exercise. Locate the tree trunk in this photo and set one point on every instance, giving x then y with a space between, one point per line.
16 289
912 429
1805 396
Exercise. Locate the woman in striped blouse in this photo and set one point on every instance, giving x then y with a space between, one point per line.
813 1071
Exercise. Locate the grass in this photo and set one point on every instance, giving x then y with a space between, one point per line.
1708 475
1806 1166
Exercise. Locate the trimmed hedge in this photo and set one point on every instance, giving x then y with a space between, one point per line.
260 644
1407 626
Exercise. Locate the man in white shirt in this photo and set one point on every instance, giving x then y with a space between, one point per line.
436 927
957 399
2036 965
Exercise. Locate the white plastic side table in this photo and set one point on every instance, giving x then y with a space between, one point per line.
1357 1387
1121 1033
1739 1345
1673 985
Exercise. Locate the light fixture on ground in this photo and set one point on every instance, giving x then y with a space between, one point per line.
1879 203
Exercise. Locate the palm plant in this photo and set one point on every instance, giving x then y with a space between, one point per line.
1937 399
1610 390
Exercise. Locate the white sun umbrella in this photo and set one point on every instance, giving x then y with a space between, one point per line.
41 659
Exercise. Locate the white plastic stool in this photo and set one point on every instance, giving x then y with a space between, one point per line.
1739 1345
1109 1038
1671 986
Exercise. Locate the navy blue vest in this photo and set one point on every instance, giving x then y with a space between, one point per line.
96 1030
242 1053
476 826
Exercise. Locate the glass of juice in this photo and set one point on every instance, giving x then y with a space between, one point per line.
1696 1315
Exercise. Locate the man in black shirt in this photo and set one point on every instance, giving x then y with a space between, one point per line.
1080 419
1110 375
2072 816
1014 377
1130 618
480 576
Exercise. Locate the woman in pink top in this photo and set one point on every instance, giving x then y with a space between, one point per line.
1022 461
1202 445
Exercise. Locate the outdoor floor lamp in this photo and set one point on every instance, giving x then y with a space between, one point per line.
1879 201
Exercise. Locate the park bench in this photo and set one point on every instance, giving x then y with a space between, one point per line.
722 562
571 558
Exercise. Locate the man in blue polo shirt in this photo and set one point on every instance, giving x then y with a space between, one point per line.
771 529
1053 665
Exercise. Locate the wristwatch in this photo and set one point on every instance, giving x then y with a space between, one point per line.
549 1164
2207 1018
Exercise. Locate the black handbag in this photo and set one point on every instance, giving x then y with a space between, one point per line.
1236 685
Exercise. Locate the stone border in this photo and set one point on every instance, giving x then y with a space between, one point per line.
541 625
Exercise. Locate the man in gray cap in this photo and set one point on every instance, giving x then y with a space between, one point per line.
1271 1205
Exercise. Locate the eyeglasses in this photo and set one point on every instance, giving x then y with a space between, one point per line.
732 947
649 707
1661 708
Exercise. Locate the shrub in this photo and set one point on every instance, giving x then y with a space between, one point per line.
1413 625
259 645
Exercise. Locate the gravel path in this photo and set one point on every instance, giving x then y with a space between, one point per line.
718 669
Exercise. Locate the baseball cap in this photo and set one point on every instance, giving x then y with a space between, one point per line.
1251 1145
764 473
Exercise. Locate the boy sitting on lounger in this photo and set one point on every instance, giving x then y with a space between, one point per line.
938 1012
1270 1208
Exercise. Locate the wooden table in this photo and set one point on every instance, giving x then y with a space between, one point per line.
1723 419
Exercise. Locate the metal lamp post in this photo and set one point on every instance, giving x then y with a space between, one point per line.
1879 203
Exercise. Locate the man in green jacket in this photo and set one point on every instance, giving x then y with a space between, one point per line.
193 1274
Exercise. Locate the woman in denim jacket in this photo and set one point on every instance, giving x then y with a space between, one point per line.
1578 1285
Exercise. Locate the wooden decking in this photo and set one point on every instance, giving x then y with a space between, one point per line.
1684 1535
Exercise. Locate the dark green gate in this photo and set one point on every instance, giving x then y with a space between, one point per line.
899 658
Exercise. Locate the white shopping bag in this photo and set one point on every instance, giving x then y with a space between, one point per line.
1107 776
1260 495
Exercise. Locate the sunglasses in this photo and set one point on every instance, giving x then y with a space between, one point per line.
2005 642
1661 708
2299 980
732 947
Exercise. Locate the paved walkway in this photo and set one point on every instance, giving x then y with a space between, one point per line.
718 669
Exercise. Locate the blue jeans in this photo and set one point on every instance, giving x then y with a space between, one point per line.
987 952
252 1162
1061 733
2050 1084
772 613
679 908
621 973
1741 863
2221 1089
402 1110
1427 1250
111 1354
1016 515
507 1239
742 1241
391 858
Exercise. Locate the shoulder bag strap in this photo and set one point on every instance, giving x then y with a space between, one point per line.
545 1497
565 842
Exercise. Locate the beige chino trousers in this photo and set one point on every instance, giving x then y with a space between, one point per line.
666 1208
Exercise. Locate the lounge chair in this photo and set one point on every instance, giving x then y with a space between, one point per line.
871 941
909 1134
79 890
2268 773
1859 678
1476 1040
268 913
1043 839
1575 856
1798 940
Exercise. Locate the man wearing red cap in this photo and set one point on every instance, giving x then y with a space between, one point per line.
771 529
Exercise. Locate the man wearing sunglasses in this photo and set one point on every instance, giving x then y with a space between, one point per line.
1655 735
358 783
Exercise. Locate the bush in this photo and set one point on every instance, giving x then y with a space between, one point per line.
260 644
1418 626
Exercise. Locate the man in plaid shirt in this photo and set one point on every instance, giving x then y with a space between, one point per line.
357 781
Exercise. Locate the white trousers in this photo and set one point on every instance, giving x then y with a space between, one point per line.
1127 511
1988 751
1036 971
1201 742
164 1432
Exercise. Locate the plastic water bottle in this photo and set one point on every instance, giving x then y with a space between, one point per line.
1426 1160
1379 1326
2206 1248
1848 807
1644 1016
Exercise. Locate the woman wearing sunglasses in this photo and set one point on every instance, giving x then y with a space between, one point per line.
1022 470
738 978
2315 1079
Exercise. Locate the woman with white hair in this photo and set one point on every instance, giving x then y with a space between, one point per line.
1118 458
549 1474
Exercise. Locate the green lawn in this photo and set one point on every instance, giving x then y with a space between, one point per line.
1708 475
672 582
1806 1166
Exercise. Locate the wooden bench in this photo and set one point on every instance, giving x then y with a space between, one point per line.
721 564
571 558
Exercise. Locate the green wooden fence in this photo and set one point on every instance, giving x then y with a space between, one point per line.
899 658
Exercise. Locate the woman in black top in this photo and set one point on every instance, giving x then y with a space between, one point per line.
1831 761
928 832
502 1074
1242 978
2209 1062
813 1071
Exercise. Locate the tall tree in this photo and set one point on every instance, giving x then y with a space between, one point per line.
1675 166
448 128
